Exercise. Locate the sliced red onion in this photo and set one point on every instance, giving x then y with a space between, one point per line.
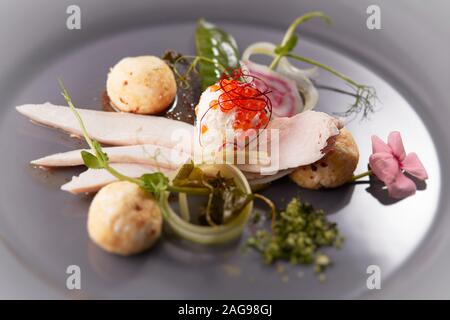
285 72
285 98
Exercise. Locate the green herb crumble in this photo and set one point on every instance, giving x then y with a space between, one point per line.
297 235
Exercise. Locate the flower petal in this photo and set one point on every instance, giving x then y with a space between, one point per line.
396 144
385 166
402 187
414 166
378 145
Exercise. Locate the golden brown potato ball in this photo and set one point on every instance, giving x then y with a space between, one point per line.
334 169
124 219
144 85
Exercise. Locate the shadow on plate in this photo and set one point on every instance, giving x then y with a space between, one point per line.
193 254
379 191
114 268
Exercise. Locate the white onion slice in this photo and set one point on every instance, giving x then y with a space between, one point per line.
300 76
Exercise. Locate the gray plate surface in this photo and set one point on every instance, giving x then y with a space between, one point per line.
42 229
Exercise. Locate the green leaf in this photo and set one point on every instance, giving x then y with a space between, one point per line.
189 176
101 156
288 46
217 45
290 38
183 172
155 183
226 200
90 160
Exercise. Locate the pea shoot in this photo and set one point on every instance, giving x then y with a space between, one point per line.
365 95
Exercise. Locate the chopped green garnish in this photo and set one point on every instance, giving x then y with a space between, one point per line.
298 233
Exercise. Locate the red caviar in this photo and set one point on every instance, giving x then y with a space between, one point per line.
239 92
253 107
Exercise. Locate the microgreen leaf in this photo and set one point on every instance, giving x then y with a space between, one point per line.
100 159
90 160
101 156
288 46
155 183
290 38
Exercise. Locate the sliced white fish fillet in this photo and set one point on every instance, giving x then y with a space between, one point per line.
143 154
112 128
302 140
93 180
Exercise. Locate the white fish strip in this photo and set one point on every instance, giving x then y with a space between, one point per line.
112 128
302 140
142 154
93 180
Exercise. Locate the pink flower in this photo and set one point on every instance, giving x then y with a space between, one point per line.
389 162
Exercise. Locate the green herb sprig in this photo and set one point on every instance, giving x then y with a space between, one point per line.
365 95
290 38
191 63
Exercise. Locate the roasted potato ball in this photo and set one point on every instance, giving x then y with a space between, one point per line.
123 219
334 169
144 85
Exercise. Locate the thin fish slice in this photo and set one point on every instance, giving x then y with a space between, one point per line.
112 128
302 139
93 180
141 154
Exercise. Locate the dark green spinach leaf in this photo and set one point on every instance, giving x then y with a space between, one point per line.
226 200
217 45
